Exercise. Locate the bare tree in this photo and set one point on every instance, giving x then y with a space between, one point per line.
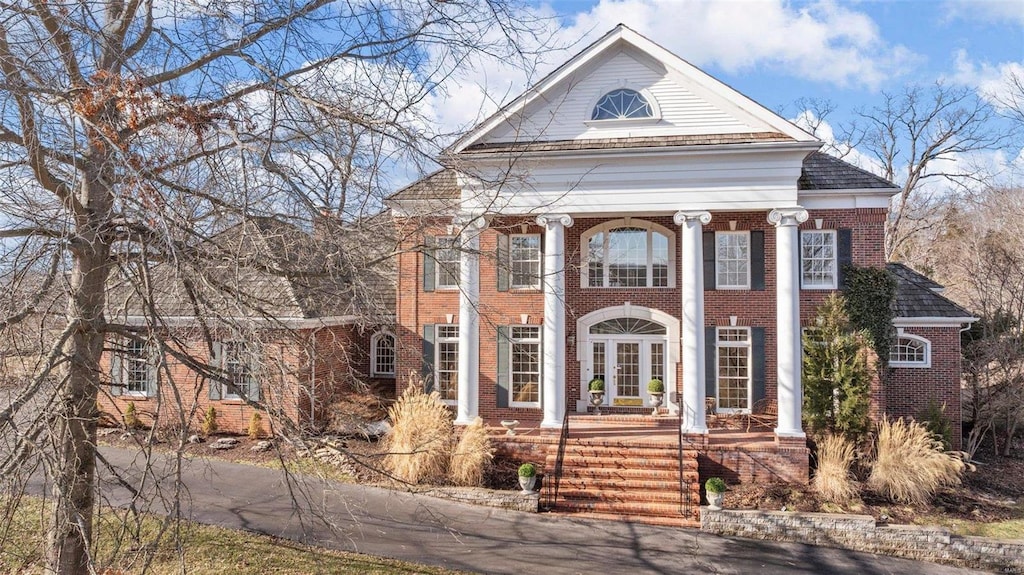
135 134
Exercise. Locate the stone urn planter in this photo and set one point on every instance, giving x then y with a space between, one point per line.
510 426
715 489
527 477
596 388
656 389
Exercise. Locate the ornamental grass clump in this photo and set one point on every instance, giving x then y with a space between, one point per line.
832 479
471 455
419 443
910 464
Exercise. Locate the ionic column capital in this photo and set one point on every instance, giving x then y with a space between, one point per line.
551 220
470 224
792 216
683 216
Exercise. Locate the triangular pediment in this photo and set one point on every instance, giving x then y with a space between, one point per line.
685 101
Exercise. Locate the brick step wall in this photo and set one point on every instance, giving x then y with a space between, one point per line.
614 478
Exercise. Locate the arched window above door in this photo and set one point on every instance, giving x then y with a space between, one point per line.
628 253
628 326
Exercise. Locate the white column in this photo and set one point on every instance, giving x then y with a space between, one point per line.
691 274
469 317
787 297
553 389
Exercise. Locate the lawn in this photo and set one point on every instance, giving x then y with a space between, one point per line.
197 549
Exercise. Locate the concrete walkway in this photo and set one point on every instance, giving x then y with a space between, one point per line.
458 536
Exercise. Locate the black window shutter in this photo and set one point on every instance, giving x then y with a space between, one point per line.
217 362
758 368
504 265
710 372
428 358
153 370
844 251
709 260
254 380
116 373
504 351
428 264
757 260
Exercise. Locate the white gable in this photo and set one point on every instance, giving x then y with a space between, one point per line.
685 108
687 101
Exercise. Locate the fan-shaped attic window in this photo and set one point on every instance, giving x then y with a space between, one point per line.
622 104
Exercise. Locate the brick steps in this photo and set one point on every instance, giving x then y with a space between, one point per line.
626 480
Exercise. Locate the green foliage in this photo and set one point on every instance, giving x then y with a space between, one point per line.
255 425
209 426
714 485
131 416
655 386
836 378
934 419
596 384
870 295
527 470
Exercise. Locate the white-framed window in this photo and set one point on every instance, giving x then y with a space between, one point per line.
446 363
732 260
446 254
622 104
910 351
631 253
239 371
818 267
525 260
733 368
382 355
525 369
137 364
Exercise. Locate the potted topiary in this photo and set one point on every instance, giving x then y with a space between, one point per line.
656 389
715 488
527 477
596 388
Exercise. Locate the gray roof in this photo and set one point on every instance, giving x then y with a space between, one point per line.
820 171
824 172
916 296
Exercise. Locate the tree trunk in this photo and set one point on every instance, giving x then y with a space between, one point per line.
76 415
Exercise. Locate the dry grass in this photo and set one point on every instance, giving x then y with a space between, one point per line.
911 464
471 455
833 480
419 444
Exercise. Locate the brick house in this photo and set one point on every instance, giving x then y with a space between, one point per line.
627 218
271 321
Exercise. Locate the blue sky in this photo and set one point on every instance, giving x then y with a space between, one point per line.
776 51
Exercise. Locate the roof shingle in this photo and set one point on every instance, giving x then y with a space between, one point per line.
916 296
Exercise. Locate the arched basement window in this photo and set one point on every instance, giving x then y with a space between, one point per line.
627 326
622 104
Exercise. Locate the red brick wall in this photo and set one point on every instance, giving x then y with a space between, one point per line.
908 391
752 308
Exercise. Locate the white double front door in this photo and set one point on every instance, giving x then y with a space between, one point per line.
626 364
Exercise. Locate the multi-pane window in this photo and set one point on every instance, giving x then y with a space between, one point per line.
525 260
622 104
818 259
238 368
733 368
525 365
136 363
910 351
658 361
628 257
732 260
598 362
446 370
446 254
383 351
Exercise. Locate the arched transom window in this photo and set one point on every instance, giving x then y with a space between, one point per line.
910 351
622 104
382 349
633 254
627 326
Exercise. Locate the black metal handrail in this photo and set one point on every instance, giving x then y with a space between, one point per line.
684 501
562 439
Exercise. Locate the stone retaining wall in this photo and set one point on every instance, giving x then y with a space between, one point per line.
861 533
515 500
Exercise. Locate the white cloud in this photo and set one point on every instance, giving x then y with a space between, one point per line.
994 82
998 11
